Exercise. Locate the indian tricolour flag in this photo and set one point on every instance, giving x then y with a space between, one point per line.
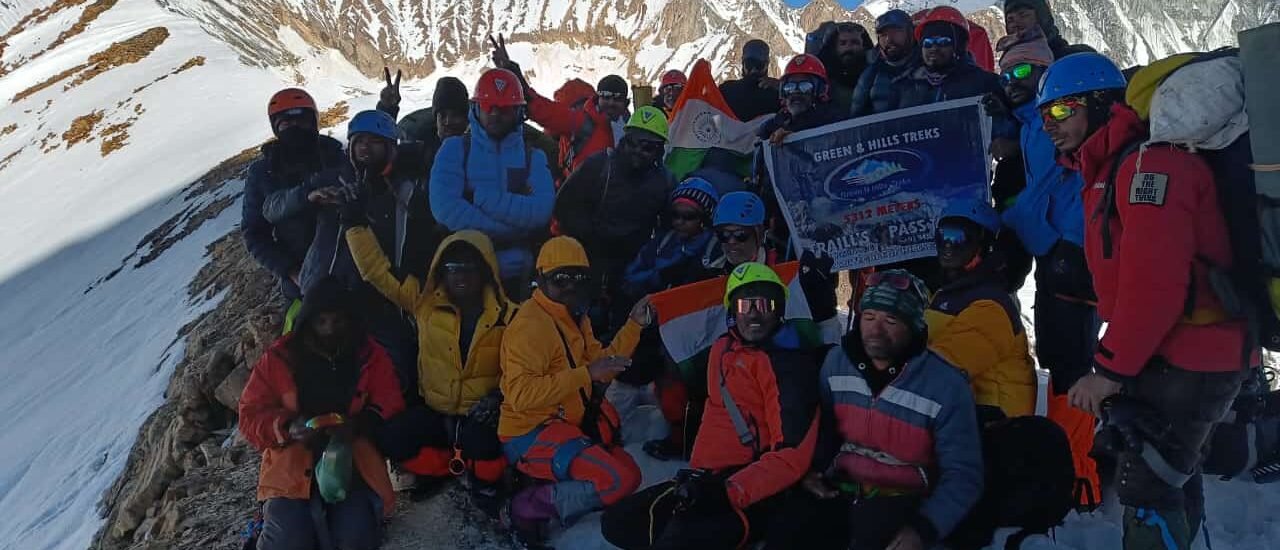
701 120
692 317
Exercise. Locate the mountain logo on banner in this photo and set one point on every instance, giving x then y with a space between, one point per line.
874 175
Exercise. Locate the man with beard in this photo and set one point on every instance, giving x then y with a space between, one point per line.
755 94
805 92
291 161
669 90
897 55
1022 16
842 47
612 205
943 74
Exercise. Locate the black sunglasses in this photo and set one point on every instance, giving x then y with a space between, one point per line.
606 94
736 236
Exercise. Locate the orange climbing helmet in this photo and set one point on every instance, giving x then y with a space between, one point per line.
944 14
289 99
498 88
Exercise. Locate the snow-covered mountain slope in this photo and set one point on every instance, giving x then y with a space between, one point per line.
110 108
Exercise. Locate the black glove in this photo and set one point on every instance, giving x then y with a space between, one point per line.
701 490
818 283
995 105
352 211
299 431
486 411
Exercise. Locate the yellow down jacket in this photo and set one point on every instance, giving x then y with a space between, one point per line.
974 325
447 385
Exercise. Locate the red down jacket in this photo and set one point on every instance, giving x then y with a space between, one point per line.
1154 288
775 386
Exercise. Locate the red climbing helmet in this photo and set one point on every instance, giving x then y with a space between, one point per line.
805 64
498 88
289 99
672 77
944 14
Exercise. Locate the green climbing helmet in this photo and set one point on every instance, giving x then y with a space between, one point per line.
650 119
752 272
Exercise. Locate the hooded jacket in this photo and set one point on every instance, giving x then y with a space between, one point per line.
281 246
612 209
1167 230
420 125
874 93
448 383
774 388
564 120
1051 208
669 260
545 355
270 402
503 190
964 80
975 326
917 435
822 43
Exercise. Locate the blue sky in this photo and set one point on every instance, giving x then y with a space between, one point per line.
846 3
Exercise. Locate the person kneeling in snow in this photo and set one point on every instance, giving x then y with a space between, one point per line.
327 385
900 459
555 424
461 313
757 437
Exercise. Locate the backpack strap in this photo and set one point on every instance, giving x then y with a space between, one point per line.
1107 208
745 436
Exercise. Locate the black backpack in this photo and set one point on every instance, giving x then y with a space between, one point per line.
1030 482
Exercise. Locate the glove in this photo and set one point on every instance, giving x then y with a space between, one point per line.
817 281
486 411
701 491
352 211
995 105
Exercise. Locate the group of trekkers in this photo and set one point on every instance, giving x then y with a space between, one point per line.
469 297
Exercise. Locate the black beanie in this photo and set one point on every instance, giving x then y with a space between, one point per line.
613 83
450 95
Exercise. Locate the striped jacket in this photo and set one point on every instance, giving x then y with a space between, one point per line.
918 435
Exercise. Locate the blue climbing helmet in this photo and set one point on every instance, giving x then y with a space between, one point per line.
1078 74
377 123
976 211
739 208
699 191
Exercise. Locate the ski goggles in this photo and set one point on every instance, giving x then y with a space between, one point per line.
756 303
460 268
736 236
1021 71
798 86
606 94
937 42
952 236
896 281
1062 109
565 280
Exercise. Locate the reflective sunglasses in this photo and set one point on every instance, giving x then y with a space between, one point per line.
1062 109
606 94
792 87
563 279
738 236
460 268
1021 71
937 42
760 304
950 235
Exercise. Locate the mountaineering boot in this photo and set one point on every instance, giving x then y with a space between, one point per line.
1150 529
485 495
665 449
530 513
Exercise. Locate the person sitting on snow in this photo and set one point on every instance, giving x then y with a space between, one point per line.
899 464
327 381
490 180
757 437
973 323
461 312
555 424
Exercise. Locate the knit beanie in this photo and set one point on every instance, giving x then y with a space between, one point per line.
905 304
1027 47
450 95
695 196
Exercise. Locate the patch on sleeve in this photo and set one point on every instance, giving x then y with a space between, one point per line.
1148 188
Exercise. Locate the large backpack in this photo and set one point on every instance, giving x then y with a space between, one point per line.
1196 101
1030 482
